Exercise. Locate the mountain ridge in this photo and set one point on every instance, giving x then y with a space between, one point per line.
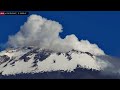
35 60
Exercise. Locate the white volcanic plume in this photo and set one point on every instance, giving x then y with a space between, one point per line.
43 33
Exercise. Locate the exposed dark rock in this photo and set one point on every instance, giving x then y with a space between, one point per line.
12 63
59 53
29 47
35 63
68 56
89 54
4 58
54 61
24 57
7 63
41 55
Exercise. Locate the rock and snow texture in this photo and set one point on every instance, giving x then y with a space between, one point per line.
35 60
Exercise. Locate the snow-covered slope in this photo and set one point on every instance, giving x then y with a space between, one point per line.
35 60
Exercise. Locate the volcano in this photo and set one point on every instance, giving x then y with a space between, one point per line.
31 62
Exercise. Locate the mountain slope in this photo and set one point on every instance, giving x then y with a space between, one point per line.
35 60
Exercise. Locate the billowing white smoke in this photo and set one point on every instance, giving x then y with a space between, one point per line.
43 33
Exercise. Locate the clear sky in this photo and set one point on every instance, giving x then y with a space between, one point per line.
100 27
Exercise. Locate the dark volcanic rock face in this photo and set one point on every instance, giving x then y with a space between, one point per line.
4 58
89 54
26 57
42 55
68 56
39 55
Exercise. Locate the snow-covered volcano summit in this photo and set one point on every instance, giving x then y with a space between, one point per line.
37 47
35 60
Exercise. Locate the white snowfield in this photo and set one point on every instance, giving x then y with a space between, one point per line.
53 62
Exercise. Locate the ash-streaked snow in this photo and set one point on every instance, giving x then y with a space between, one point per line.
53 62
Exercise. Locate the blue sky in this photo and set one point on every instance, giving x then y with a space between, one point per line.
100 27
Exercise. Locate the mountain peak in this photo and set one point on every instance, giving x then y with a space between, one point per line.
34 60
